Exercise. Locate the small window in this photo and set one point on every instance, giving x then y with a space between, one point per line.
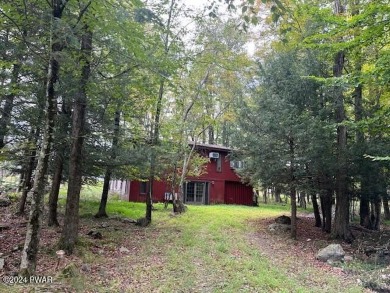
143 187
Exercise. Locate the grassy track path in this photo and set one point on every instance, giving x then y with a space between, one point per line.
208 249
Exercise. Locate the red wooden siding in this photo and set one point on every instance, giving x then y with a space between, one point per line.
224 185
238 193
159 189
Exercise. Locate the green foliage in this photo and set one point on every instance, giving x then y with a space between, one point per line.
283 112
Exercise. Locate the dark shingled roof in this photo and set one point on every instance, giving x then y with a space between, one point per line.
214 147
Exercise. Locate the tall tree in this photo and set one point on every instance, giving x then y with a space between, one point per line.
341 224
69 234
107 176
31 245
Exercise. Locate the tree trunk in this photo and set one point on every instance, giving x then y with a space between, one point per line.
103 201
225 134
211 135
63 122
376 213
341 223
293 192
107 176
277 193
326 207
71 222
27 183
385 199
31 245
293 195
155 138
156 130
23 176
364 212
55 189
316 210
265 195
8 105
302 200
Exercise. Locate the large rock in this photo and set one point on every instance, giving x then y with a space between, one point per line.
333 252
283 220
275 227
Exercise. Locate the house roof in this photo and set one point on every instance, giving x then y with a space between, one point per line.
214 147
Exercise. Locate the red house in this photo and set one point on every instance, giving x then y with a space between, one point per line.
220 183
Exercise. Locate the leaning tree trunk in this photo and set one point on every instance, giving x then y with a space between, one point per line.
31 245
178 205
107 176
71 222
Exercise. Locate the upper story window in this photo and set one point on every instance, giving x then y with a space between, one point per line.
236 164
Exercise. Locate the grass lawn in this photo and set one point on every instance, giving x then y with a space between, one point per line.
206 249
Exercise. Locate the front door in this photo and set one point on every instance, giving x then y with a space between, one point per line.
196 192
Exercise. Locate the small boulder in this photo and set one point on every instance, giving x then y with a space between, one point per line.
95 234
333 252
283 220
129 221
2 263
123 249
